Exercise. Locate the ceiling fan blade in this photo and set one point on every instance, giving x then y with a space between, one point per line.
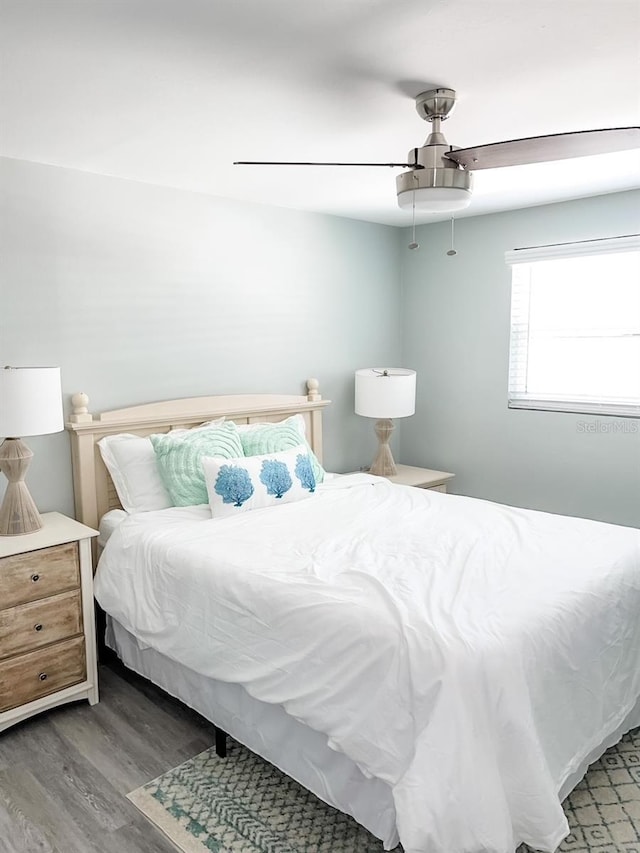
540 149
295 163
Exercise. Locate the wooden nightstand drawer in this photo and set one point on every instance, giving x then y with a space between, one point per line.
30 626
38 574
24 678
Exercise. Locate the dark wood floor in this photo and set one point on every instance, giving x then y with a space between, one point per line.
65 773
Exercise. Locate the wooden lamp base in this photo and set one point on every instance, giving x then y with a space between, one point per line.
383 465
18 513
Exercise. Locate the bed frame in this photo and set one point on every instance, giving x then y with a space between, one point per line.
93 488
367 799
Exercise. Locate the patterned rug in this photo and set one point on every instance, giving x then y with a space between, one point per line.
241 804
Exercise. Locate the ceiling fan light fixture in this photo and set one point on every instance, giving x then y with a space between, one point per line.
434 190
435 199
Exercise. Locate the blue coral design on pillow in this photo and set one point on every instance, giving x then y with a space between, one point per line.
304 472
276 477
234 485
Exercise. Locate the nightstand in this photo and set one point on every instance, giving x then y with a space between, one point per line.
422 478
47 622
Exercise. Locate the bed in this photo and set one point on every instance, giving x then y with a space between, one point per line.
441 668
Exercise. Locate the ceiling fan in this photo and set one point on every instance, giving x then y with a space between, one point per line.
440 175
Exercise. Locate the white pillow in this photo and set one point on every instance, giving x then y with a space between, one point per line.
254 482
131 461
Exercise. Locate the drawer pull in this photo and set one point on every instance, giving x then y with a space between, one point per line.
43 676
37 627
35 578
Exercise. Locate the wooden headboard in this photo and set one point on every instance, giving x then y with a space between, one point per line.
92 485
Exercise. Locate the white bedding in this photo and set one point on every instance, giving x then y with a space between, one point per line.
468 654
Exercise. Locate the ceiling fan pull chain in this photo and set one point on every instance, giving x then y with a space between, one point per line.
452 250
413 244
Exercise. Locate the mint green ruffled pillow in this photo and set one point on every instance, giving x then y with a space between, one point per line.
179 459
262 438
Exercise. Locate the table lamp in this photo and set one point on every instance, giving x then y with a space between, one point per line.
385 393
30 404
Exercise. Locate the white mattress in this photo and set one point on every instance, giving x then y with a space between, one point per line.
470 656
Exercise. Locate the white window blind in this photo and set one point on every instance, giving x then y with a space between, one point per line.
575 327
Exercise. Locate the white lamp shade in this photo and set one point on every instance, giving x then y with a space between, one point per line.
30 401
385 392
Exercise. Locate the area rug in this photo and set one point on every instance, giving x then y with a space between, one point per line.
241 804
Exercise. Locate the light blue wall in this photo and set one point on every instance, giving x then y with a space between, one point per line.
455 320
143 293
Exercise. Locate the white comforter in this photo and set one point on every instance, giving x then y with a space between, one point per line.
467 653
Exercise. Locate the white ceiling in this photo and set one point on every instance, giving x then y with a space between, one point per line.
172 91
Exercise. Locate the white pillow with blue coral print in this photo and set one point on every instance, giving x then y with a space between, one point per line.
254 482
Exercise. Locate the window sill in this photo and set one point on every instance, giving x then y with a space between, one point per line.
578 407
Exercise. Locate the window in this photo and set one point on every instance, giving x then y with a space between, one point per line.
575 327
